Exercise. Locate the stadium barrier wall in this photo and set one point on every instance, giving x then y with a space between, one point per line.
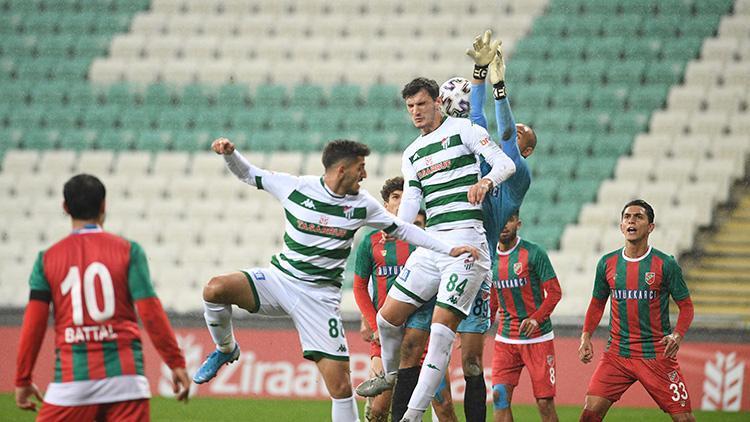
271 366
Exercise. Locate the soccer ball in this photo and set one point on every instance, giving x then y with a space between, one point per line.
454 94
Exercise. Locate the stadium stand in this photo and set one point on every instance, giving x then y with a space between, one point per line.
135 91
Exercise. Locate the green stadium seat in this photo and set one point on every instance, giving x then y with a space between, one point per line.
642 49
191 141
572 144
78 140
45 94
544 189
28 117
666 72
648 97
158 94
121 94
553 167
595 122
42 23
630 73
628 25
682 48
537 96
323 120
533 47
555 121
231 96
547 235
663 27
609 98
701 26
569 49
308 96
155 141
518 69
384 96
77 23
562 212
583 26
60 118
578 191
612 146
589 72
552 72
91 46
111 23
595 168
565 7
117 140
79 94
60 46
345 96
674 8
173 119
641 7
362 119
289 119
601 7
605 48
101 117
41 139
196 96
249 120
36 70
129 7
713 7
139 118
269 95
574 96
211 120
630 122
551 25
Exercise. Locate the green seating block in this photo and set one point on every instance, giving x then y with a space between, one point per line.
642 49
306 95
578 191
248 119
154 141
269 95
574 96
591 71
583 26
630 73
173 119
558 120
662 26
40 139
117 140
607 48
345 97
537 96
572 144
551 25
595 168
384 96
630 123
231 96
675 8
78 140
602 7
683 48
648 97
612 146
158 94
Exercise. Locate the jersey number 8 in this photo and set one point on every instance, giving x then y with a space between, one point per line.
72 285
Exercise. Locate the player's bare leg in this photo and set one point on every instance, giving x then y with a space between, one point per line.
442 335
502 394
683 417
547 410
595 408
337 376
230 289
475 397
379 405
442 404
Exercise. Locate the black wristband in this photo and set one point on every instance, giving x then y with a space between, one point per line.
480 72
498 90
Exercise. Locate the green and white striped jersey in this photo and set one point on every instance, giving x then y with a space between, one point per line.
320 224
442 165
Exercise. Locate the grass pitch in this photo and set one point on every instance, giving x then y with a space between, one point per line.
214 410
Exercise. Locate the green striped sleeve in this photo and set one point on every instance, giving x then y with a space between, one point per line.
601 288
363 260
542 264
139 279
677 287
37 280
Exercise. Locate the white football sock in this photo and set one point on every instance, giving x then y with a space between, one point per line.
390 345
219 322
433 368
344 410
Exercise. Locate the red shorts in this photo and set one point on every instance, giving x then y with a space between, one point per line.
131 410
661 377
539 358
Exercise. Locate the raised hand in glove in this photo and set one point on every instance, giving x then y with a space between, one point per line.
497 66
482 52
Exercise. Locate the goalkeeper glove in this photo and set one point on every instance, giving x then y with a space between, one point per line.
483 52
497 73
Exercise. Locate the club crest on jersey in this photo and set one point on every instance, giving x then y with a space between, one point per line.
518 268
323 220
468 263
550 360
383 252
445 143
673 376
348 211
650 278
428 161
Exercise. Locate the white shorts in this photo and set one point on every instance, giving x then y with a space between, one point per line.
314 308
455 281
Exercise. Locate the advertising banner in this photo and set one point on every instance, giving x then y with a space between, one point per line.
271 366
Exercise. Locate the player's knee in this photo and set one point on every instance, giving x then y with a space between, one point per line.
590 416
214 289
379 410
472 366
546 406
683 417
411 352
500 399
340 388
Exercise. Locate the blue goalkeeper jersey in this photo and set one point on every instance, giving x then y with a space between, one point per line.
505 199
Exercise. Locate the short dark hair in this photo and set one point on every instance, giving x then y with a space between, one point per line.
412 88
390 186
84 195
340 149
640 203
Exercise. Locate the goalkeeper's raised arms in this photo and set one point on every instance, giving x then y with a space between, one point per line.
482 52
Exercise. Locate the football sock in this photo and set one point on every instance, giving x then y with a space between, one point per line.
433 368
344 410
405 383
390 342
219 322
475 399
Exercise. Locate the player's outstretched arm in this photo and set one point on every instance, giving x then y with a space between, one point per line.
482 52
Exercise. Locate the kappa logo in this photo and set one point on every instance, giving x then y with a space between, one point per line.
518 268
323 220
650 278
341 348
673 376
308 203
453 300
431 366
348 211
